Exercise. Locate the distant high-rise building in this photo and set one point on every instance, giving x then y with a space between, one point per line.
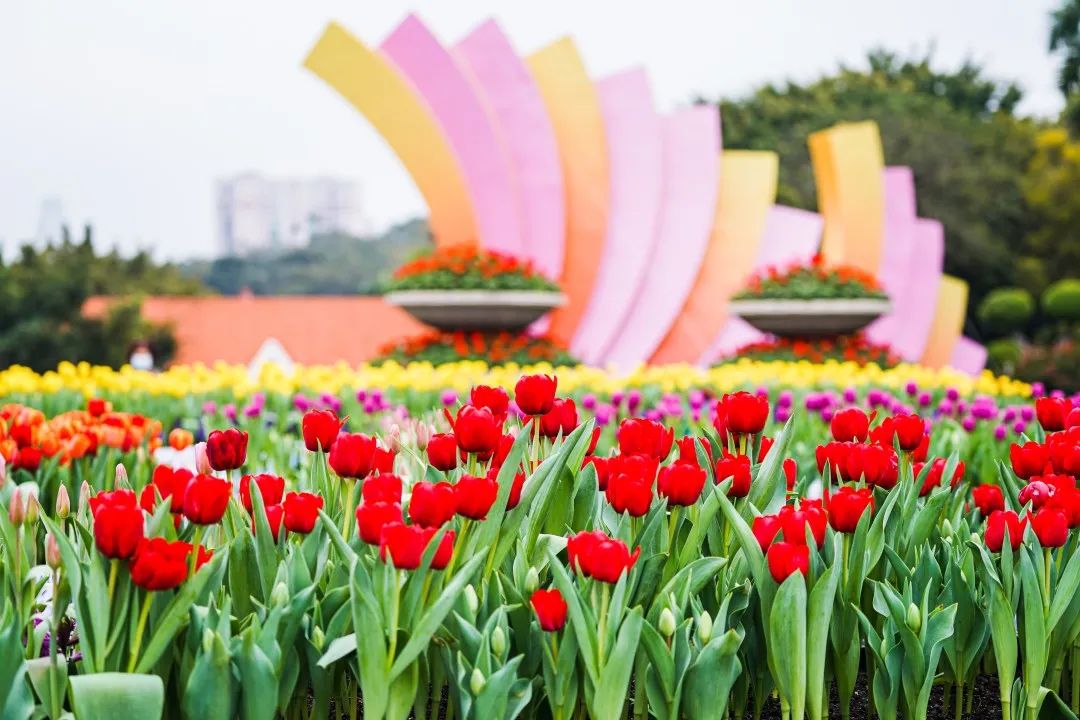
50 221
256 212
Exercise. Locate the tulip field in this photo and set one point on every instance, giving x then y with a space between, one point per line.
779 540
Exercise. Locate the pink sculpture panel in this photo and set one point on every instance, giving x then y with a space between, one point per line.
514 101
690 177
791 235
900 268
968 356
635 153
463 116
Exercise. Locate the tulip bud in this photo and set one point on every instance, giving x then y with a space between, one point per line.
207 640
3 471
33 510
280 595
318 638
667 623
423 435
202 461
976 538
84 497
63 503
472 602
946 528
393 438
52 552
532 581
121 479
477 681
16 512
498 641
704 628
914 617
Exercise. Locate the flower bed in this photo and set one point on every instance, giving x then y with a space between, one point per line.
440 348
468 268
845 348
529 553
813 281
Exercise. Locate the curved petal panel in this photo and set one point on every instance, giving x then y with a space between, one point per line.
471 130
848 164
968 356
910 337
691 177
948 323
635 150
375 88
902 272
747 190
574 108
514 101
791 235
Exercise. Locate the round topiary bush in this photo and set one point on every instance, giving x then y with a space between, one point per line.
1061 300
1003 355
1006 310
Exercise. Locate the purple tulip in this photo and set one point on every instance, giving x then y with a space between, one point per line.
911 388
968 423
588 401
850 396
1000 432
449 397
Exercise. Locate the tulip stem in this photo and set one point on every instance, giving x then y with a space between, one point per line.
395 609
673 527
605 598
350 509
136 644
195 550
114 566
1048 561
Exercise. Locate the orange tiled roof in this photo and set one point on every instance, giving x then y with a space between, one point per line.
313 329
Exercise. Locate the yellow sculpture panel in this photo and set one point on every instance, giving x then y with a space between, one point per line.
948 322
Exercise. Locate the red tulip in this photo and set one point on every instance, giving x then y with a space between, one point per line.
381 488
477 430
763 448
1064 455
432 504
226 449
515 489
688 449
206 499
1051 413
352 455
795 521
736 467
550 609
988 498
502 451
791 473
274 516
1036 492
372 518
171 484
535 394
561 419
850 424
1029 459
998 523
1051 526
934 475
1067 500
765 529
868 463
786 558
598 556
494 399
28 458
405 545
602 466
910 430
382 461
1073 418
846 508
271 489
835 454
159 564
681 483
629 493
474 496
638 436
118 523
594 441
636 465
96 407
442 451
301 511
744 413
320 428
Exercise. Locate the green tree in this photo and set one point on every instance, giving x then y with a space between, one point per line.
1065 41
956 129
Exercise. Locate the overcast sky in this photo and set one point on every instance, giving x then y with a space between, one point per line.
128 111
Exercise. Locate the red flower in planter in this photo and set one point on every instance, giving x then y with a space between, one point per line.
301 511
681 483
1000 522
227 449
432 504
786 558
118 523
405 545
371 518
474 496
535 394
442 451
988 498
550 609
159 564
639 436
271 489
206 499
352 455
320 428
